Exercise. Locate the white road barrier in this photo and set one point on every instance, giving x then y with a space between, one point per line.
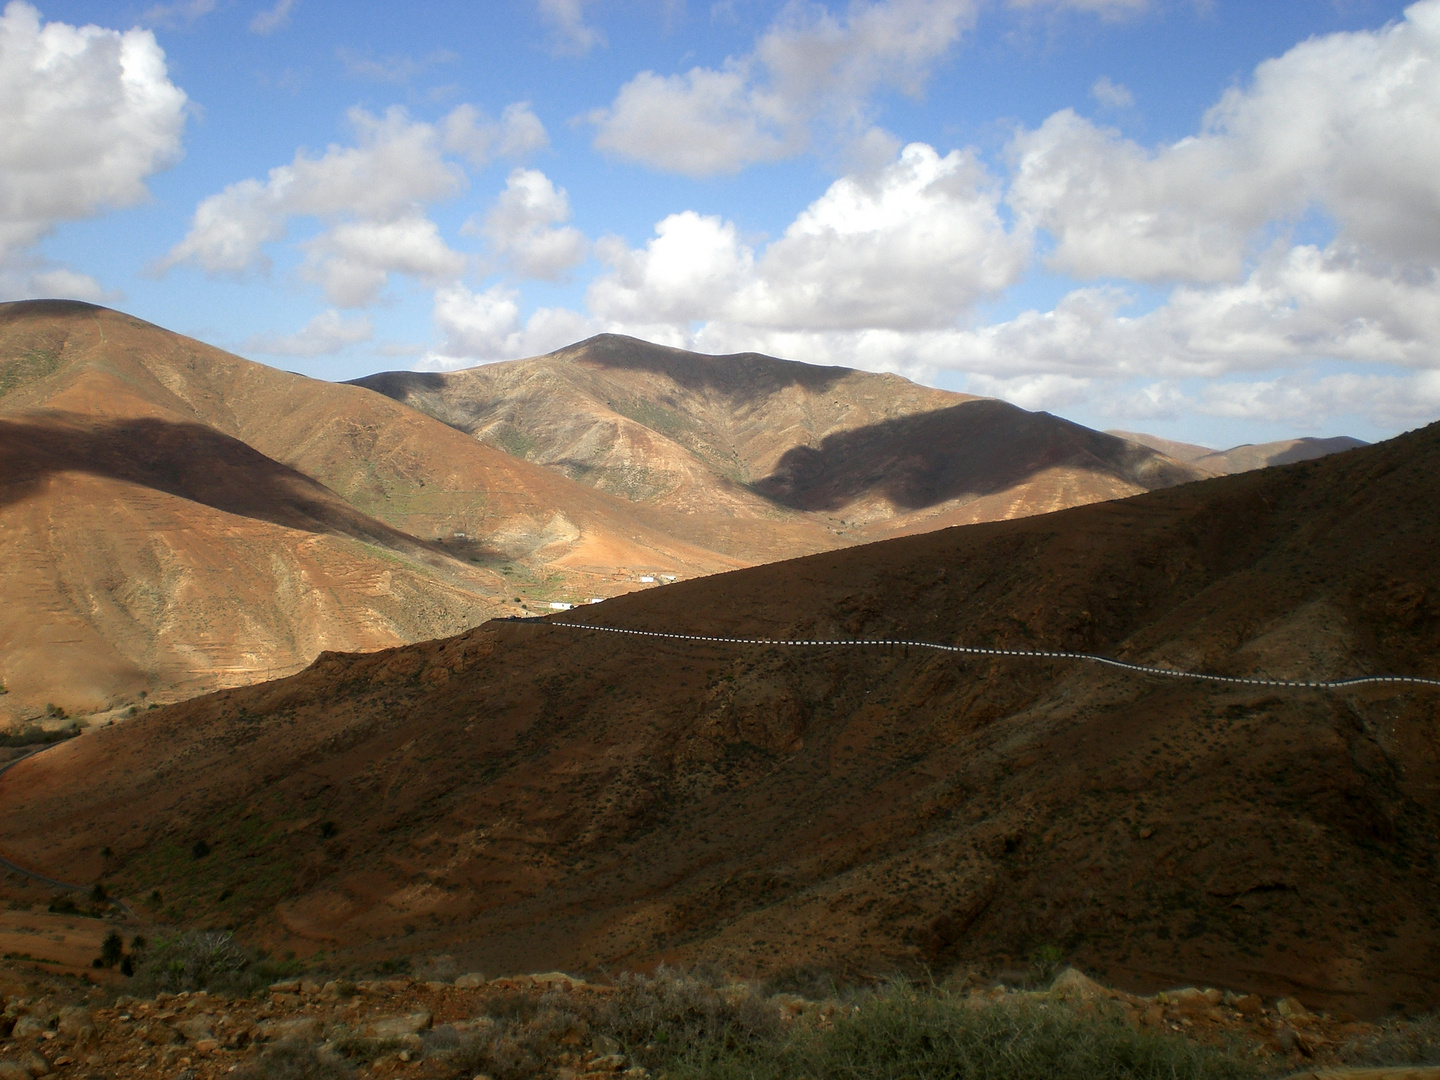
1033 654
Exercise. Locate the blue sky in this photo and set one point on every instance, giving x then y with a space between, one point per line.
1215 221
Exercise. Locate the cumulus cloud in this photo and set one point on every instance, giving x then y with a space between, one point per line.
809 67
324 335
369 196
268 20
353 261
474 136
570 36
1342 123
87 115
911 247
527 229
485 326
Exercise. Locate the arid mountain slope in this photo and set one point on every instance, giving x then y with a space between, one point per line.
1246 457
754 437
174 518
532 796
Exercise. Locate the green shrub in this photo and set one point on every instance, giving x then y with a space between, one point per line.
905 1033
689 1020
112 950
197 961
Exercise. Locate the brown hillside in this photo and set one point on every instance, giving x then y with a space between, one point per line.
1246 457
174 518
528 796
754 437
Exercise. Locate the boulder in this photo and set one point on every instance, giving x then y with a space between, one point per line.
396 1027
76 1026
470 981
201 1027
13 1070
303 1028
29 1026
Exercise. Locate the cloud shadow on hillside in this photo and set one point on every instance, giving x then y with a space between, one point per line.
186 460
970 449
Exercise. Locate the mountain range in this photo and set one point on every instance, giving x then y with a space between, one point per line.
536 794
175 519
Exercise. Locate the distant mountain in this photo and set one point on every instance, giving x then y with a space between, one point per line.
753 437
1246 457
527 797
175 519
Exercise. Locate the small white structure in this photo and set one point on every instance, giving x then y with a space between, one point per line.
647 581
597 599
557 605
667 577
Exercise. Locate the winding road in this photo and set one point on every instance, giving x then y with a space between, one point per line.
1033 654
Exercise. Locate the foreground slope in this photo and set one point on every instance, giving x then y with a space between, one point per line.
760 439
532 796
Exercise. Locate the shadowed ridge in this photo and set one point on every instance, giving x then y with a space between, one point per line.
968 450
191 461
20 310
743 377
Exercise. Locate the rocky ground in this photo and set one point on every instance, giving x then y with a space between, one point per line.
536 1025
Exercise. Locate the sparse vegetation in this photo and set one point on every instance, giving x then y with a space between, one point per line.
683 1025
199 961
35 735
295 1060
1412 1042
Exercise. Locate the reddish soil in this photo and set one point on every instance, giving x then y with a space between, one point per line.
531 797
175 519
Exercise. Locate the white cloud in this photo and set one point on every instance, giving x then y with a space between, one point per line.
1307 403
324 335
87 115
268 20
31 278
474 136
1111 95
369 196
527 227
1344 123
912 247
353 260
485 326
570 36
180 14
809 67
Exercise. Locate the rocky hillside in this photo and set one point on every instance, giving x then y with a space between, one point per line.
749 436
530 796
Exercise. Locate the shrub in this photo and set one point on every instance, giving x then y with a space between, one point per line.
680 1020
197 961
523 1045
1399 1042
902 1032
292 1060
112 950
